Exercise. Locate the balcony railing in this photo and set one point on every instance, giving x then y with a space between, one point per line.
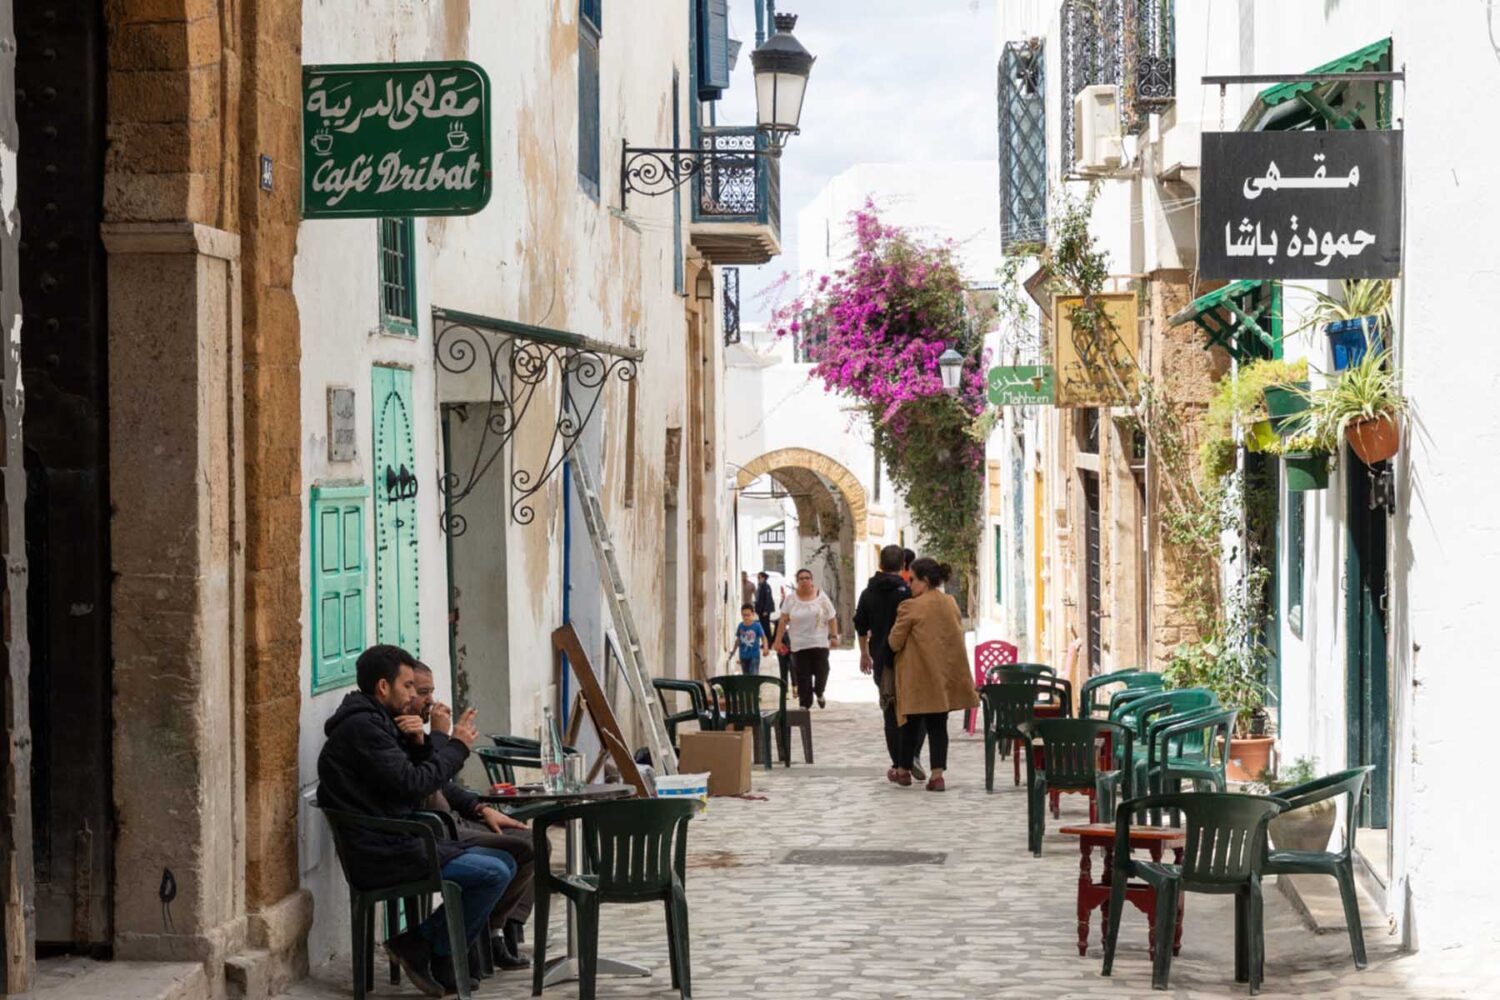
740 191
1151 48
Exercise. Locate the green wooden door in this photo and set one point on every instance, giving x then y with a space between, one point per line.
396 567
1368 693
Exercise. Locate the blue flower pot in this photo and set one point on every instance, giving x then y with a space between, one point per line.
1348 339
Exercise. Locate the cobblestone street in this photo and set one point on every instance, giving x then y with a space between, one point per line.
991 921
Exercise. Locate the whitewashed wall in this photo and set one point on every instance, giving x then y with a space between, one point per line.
545 253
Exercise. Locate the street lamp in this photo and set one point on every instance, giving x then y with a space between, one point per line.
703 285
782 67
951 365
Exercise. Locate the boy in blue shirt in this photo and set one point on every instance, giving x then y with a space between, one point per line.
751 639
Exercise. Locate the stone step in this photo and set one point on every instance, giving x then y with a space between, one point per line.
84 979
1316 900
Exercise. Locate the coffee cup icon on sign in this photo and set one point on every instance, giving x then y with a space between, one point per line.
458 139
322 143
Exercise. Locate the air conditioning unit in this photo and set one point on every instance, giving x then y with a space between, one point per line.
1097 145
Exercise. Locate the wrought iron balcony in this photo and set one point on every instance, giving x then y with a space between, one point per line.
1152 45
736 197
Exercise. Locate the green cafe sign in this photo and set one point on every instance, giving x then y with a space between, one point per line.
1022 385
395 139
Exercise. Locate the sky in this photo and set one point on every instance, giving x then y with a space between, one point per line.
895 80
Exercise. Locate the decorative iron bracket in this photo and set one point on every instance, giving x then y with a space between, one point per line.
653 171
516 361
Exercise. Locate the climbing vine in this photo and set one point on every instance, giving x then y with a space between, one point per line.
874 331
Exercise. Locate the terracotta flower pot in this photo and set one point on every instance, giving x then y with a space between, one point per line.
1249 756
1305 829
1375 440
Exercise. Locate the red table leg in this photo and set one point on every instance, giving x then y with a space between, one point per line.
1085 884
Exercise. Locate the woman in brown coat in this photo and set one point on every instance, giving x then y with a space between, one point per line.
932 669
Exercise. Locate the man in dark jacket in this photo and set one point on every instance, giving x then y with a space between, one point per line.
873 617
366 767
765 602
479 825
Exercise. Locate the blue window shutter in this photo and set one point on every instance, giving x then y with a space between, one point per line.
339 583
590 30
713 49
397 618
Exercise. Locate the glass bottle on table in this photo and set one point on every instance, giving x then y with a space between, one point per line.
550 752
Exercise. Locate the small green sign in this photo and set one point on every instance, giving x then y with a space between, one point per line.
1022 385
391 139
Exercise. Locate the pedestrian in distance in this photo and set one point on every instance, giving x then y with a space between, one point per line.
765 602
747 589
932 669
809 624
874 615
907 558
751 639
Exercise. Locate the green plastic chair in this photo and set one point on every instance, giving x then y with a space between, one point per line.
510 752
1138 713
995 674
1005 706
1193 746
697 710
1069 763
1118 698
635 851
362 902
1340 863
1088 704
739 705
1225 853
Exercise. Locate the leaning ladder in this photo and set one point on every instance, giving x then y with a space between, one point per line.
628 644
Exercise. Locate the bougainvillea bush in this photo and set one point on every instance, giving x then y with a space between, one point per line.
874 331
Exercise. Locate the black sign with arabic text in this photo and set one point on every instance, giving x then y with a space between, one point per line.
1300 205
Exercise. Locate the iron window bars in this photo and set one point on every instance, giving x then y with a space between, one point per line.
731 276
1023 145
1128 43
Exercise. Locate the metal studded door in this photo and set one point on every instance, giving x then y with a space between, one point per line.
64 367
396 566
1093 570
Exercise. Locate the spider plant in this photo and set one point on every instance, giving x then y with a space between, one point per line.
1357 298
1368 390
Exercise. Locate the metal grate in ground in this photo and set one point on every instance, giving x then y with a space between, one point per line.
849 857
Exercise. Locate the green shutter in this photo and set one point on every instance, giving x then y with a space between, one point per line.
397 620
999 564
339 581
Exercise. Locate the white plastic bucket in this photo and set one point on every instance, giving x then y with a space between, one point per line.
674 786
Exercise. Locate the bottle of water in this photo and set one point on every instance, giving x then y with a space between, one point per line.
551 754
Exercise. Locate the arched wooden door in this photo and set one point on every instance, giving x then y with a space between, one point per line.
397 620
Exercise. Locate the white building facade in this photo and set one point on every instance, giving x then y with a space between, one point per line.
1375 608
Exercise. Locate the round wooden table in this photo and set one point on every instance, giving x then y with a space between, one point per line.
1095 895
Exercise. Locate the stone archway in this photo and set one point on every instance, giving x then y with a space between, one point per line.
832 515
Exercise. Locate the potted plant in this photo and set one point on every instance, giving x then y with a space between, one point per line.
1355 321
1308 459
1284 387
1242 399
1232 673
1364 405
1309 827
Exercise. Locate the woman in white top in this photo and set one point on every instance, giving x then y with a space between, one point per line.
809 624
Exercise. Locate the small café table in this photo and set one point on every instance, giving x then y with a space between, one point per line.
565 967
1095 895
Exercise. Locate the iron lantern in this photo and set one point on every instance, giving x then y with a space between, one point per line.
951 365
782 67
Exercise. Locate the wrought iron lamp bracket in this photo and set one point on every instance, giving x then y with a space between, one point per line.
518 361
653 170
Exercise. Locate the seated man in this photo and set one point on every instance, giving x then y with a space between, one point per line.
365 767
478 825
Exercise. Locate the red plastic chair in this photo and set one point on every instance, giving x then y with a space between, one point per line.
995 653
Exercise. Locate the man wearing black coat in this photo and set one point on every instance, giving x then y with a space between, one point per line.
873 617
365 767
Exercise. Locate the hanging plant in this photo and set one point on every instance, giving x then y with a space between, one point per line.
1364 404
1355 321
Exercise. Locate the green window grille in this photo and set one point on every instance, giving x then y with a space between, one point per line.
590 31
1296 542
340 579
398 278
1023 145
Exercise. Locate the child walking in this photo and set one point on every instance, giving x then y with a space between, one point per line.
752 641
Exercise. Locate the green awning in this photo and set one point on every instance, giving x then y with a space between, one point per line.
1243 317
1374 56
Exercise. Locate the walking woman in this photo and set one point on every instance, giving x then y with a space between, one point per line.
809 624
932 669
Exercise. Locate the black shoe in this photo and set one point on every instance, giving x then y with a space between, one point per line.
507 957
821 702
411 952
443 972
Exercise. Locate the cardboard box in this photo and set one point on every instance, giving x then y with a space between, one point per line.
725 756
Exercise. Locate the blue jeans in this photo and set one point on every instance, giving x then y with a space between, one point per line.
483 874
750 665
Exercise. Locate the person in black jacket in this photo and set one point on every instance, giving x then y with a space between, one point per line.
873 617
366 767
765 602
480 825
